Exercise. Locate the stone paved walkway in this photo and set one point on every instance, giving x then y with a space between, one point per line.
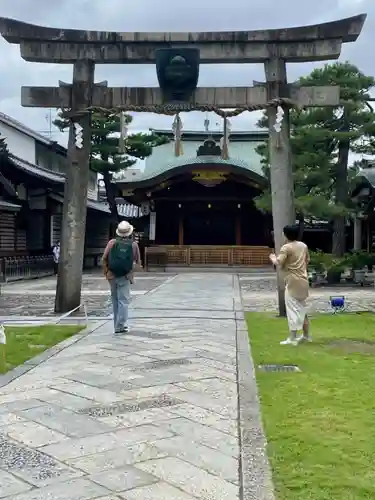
36 298
152 415
259 294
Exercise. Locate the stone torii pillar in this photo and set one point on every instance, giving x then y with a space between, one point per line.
85 48
68 290
312 43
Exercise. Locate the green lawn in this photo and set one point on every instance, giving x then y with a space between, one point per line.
320 423
25 342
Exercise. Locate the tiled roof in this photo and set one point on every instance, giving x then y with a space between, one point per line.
195 160
98 205
369 174
94 205
8 186
36 170
11 122
12 207
242 135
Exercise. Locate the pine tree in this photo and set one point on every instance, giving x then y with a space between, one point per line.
321 139
106 158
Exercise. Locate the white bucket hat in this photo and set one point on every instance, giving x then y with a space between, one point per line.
124 229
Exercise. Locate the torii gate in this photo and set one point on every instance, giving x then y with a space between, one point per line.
84 49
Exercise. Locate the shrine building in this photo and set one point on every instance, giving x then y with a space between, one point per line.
199 206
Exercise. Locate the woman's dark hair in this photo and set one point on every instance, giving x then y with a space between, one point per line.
291 232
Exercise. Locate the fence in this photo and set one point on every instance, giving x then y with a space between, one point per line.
18 268
207 255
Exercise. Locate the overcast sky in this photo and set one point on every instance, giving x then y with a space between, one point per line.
168 15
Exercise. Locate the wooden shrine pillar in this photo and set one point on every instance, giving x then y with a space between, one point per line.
238 229
181 229
68 291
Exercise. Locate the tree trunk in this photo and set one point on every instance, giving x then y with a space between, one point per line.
341 197
111 199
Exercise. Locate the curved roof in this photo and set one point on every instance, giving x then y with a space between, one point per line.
368 174
182 161
167 171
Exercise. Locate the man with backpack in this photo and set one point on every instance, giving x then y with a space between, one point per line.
119 258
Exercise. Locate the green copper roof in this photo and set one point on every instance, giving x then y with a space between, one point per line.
199 161
369 174
241 154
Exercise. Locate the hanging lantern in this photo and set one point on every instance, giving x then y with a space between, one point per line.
177 132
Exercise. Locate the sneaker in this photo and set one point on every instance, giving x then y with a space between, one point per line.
122 331
302 338
289 341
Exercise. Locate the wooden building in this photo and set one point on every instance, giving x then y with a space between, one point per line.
199 207
363 197
31 197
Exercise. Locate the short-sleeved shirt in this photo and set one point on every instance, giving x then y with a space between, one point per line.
293 259
136 257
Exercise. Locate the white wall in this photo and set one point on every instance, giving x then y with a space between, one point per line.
19 144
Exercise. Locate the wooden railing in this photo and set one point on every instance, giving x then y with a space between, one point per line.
179 255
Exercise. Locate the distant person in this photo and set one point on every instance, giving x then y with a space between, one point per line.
293 260
119 259
56 257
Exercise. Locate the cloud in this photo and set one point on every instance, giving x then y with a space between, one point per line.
165 15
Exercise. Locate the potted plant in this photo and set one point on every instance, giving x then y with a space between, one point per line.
335 267
317 266
370 261
358 261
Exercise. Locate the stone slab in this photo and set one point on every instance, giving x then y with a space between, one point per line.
75 448
208 436
157 491
118 457
10 485
201 456
123 479
32 434
78 489
190 479
65 421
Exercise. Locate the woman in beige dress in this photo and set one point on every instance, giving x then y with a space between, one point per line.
293 260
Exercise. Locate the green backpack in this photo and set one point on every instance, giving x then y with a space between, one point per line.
120 258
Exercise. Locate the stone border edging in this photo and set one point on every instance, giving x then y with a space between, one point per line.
8 377
255 472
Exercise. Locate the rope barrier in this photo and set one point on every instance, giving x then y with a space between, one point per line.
42 322
174 108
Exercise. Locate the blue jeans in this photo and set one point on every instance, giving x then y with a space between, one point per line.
120 294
